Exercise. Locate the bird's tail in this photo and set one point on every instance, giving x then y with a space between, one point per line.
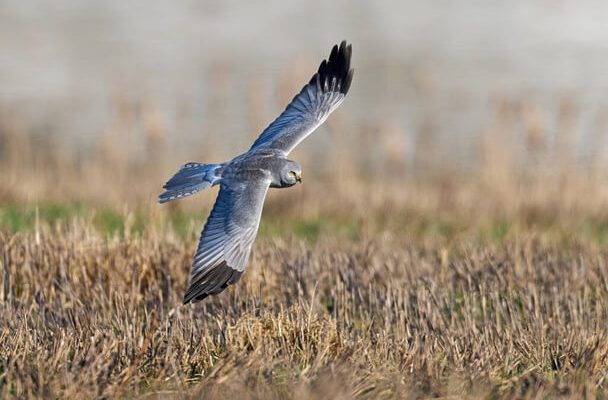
191 179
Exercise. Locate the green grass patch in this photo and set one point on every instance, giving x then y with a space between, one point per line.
16 218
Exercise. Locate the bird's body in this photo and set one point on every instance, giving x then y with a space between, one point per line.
268 162
230 230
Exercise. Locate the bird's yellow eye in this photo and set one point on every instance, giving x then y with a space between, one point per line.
293 173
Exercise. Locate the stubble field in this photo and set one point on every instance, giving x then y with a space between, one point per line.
379 277
420 300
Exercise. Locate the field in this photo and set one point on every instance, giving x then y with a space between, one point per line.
392 272
448 292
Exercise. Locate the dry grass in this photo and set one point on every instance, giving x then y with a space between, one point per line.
375 316
406 278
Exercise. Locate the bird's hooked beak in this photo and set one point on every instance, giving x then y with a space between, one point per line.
299 177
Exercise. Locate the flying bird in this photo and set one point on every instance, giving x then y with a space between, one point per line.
226 240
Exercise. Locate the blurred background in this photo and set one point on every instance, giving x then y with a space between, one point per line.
455 104
450 238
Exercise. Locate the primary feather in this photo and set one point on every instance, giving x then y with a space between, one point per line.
311 107
226 240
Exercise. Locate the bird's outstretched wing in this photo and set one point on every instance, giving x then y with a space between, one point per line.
311 107
225 243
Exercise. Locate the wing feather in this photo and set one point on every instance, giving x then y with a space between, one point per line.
226 240
311 107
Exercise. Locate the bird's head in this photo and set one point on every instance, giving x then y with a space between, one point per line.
291 173
297 175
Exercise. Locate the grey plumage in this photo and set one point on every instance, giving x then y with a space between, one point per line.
190 179
311 107
226 240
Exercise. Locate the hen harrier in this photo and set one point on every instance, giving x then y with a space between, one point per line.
226 240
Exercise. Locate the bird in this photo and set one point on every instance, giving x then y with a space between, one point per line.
230 230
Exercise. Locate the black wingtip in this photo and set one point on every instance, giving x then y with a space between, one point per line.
211 282
337 67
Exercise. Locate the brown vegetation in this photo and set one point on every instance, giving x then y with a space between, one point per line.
405 278
378 316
